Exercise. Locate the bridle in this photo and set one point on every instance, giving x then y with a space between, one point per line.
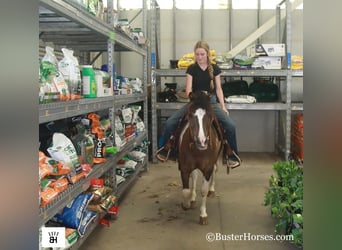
193 136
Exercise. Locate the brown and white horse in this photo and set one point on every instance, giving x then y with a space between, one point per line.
198 151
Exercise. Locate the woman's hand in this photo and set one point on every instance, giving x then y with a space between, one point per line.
225 109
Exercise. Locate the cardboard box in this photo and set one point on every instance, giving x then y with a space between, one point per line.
102 89
277 49
267 62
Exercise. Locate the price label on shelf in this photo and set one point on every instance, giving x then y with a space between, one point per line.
111 36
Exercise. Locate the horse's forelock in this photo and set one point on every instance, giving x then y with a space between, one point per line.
200 100
201 103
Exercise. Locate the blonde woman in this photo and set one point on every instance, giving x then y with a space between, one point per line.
203 76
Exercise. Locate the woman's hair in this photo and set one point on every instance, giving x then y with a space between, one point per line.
204 45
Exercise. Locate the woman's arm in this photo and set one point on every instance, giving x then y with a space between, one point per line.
219 93
188 86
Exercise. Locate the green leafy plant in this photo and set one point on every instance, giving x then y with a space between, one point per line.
285 197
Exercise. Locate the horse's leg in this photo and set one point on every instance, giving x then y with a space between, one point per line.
211 192
186 190
194 176
203 208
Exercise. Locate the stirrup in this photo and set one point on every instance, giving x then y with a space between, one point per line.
237 157
229 162
159 156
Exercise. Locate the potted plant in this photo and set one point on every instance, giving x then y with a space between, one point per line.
285 197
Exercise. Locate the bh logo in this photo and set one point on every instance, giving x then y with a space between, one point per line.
53 236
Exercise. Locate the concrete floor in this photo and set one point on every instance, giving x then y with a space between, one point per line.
150 215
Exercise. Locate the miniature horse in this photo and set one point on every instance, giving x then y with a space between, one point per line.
199 148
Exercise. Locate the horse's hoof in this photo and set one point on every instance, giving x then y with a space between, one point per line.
228 169
184 207
203 220
211 194
193 204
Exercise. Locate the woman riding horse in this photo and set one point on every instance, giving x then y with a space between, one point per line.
199 147
203 76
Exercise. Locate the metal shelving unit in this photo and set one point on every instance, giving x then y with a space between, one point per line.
272 106
231 106
60 110
246 73
123 187
284 108
74 190
67 25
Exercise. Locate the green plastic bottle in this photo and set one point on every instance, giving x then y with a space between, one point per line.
88 79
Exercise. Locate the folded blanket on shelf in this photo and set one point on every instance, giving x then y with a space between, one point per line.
240 99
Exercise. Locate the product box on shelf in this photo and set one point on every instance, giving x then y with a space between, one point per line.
104 86
276 49
267 62
103 91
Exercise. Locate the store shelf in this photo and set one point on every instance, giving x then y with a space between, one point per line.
298 73
90 228
131 144
74 190
126 43
230 106
120 100
63 23
297 107
66 24
60 110
283 77
283 74
247 73
257 106
124 186
256 72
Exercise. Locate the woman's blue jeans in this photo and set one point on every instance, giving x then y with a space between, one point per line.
224 119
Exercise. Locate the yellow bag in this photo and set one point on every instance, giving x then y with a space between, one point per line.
184 64
188 59
297 62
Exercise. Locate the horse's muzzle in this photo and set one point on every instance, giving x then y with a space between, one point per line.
201 144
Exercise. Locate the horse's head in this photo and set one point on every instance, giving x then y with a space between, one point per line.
200 117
